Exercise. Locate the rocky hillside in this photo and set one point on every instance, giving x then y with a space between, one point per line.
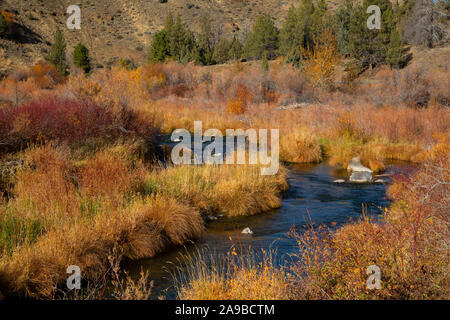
113 29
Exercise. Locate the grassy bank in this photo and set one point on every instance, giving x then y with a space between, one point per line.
66 209
409 245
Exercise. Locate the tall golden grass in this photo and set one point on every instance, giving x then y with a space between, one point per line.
410 246
66 211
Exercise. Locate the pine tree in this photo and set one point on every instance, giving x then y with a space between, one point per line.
57 54
160 47
222 51
81 58
262 39
235 50
3 25
205 41
318 19
289 34
369 47
305 12
341 25
394 55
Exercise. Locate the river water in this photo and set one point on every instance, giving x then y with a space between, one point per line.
313 197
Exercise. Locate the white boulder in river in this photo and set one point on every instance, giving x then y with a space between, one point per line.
360 177
247 231
359 173
355 165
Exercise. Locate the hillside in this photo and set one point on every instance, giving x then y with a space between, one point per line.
123 28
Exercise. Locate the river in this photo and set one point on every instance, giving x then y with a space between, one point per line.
312 197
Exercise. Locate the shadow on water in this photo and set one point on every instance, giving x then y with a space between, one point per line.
313 197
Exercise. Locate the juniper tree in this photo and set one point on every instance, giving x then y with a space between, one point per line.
205 41
222 51
305 12
291 37
262 39
341 25
57 54
160 47
394 55
235 50
369 47
81 58
318 19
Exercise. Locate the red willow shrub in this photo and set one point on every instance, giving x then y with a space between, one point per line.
69 121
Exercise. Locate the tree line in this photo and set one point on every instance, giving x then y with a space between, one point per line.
304 26
417 22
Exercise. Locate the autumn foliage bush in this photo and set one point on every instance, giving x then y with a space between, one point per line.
69 121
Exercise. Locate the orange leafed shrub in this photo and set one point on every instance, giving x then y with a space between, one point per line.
321 61
45 75
236 107
240 104
9 16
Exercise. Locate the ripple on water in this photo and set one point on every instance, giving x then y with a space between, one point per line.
313 196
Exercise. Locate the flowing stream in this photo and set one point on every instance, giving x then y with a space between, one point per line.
312 197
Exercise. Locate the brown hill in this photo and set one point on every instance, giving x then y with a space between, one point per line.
113 29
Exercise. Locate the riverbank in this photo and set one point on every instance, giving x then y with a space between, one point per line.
408 245
64 211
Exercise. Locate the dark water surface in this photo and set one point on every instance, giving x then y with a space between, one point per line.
312 197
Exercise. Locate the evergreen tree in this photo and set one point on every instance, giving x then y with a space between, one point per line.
57 54
205 41
394 55
341 25
235 50
81 58
292 37
318 19
369 47
160 47
181 41
290 33
262 39
305 12
3 25
222 51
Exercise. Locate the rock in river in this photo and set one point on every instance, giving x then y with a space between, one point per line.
360 177
355 165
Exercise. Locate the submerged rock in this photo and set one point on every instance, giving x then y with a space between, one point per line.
339 181
379 181
247 231
361 177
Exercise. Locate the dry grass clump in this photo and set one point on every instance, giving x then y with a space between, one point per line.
230 190
70 211
62 213
233 277
410 246
144 229
300 145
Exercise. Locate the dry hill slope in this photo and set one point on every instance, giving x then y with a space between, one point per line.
123 28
